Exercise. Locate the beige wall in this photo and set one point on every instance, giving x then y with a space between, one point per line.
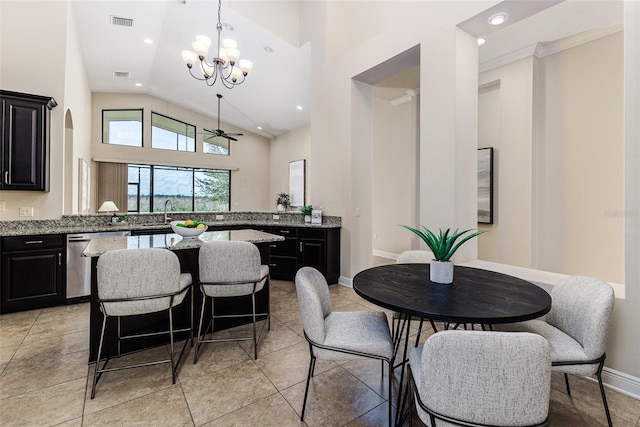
78 107
546 191
395 157
250 170
43 63
289 147
579 161
505 114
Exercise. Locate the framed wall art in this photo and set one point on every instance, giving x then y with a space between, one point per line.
485 185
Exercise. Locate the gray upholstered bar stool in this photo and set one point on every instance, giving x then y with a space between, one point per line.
140 281
231 269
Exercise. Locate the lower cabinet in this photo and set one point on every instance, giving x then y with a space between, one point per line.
33 272
305 246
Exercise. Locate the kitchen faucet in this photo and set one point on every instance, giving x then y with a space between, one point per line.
167 202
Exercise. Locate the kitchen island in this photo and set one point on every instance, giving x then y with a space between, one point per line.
185 314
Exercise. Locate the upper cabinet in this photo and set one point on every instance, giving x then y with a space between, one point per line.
24 162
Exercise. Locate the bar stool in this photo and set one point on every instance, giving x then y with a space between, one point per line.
140 281
231 269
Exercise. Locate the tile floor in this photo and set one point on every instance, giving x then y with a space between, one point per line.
44 379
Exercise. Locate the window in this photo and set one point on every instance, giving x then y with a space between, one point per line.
171 134
190 189
122 127
216 145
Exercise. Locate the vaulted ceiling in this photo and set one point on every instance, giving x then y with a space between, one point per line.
280 80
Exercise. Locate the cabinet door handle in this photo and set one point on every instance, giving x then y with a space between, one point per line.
273 246
284 231
6 177
59 258
300 246
273 265
34 242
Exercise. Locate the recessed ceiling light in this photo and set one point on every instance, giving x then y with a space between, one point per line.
268 49
481 41
259 127
138 84
148 41
299 107
498 18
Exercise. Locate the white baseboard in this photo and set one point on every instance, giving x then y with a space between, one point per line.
621 382
384 254
345 281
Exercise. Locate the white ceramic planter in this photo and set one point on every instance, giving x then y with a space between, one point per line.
307 218
280 208
441 272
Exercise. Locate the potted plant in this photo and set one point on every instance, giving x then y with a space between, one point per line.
282 201
443 245
306 212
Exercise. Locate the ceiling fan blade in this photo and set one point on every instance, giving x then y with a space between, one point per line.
234 134
229 137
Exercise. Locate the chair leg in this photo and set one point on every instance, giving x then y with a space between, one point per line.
253 314
604 396
390 363
312 365
173 363
95 373
195 353
566 381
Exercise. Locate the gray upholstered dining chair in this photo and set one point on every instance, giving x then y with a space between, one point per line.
478 378
415 257
231 269
338 335
140 281
576 328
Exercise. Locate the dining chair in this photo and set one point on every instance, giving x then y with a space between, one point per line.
340 335
140 281
231 269
415 257
478 378
576 328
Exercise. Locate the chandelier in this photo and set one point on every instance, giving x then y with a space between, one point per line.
227 65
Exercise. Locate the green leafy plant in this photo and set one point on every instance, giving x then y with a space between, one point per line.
443 245
283 199
306 210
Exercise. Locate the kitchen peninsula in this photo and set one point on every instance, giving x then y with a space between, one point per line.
187 251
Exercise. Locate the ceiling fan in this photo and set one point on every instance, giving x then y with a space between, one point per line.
219 132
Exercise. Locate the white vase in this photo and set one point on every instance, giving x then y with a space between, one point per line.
307 218
280 208
441 272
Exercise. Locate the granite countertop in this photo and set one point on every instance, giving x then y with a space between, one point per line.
92 223
97 247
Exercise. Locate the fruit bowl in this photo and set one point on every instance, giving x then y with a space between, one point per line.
187 232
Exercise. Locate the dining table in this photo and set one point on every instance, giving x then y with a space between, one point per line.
475 296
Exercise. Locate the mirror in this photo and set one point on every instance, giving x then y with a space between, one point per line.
296 183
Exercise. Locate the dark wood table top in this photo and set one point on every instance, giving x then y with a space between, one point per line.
475 296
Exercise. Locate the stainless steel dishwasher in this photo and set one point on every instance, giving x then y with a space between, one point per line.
79 267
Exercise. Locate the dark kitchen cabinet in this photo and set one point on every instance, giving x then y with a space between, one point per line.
305 246
33 272
24 162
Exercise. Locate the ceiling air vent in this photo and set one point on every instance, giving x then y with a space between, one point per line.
121 22
121 74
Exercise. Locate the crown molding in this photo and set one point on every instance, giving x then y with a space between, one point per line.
547 49
540 50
